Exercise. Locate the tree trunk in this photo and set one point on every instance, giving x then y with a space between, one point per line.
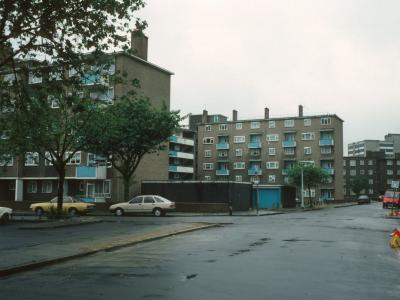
127 180
60 190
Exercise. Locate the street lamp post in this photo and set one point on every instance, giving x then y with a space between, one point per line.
302 189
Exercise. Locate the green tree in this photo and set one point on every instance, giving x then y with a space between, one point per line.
54 129
61 31
128 130
312 177
359 183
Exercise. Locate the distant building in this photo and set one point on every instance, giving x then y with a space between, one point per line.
263 150
389 146
181 155
379 169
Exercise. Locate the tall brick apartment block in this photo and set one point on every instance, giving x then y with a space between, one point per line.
262 150
88 176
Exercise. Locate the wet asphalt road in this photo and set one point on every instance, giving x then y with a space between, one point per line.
328 254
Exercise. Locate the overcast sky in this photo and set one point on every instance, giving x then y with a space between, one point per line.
340 57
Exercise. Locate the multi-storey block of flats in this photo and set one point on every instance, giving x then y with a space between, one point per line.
88 175
181 155
262 150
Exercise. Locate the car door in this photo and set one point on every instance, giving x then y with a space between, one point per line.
134 205
148 204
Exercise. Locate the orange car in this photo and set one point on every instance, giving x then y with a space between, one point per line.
391 199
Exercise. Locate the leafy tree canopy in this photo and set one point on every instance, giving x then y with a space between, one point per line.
359 183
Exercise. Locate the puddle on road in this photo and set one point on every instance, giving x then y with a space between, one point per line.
304 240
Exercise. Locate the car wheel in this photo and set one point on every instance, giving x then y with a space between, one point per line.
39 211
119 212
5 219
157 212
73 212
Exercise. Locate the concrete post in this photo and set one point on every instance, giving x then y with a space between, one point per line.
19 189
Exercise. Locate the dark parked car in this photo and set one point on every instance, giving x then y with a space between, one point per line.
363 199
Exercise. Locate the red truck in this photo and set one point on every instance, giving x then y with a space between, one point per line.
391 199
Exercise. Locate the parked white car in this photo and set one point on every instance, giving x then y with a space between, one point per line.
5 215
144 204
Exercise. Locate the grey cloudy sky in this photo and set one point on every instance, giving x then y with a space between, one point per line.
340 56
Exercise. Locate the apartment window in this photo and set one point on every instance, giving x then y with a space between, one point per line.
208 166
255 152
207 128
309 193
353 162
328 150
398 172
370 162
271 151
32 187
223 153
389 181
288 123
254 125
238 178
362 172
208 140
48 158
361 162
389 172
307 163
344 162
370 172
370 181
207 178
11 185
75 159
207 153
239 152
31 159
216 119
239 165
344 172
271 124
370 191
272 137
308 136
223 126
325 121
6 160
353 172
271 178
239 139
53 101
34 78
398 162
47 187
307 122
289 151
307 150
272 165
239 126
389 162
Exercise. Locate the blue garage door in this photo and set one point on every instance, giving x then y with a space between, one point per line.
268 198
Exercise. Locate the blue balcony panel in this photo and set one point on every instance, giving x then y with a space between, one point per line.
253 172
222 172
85 172
254 145
326 142
289 144
222 146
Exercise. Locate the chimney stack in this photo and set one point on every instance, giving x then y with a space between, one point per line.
234 115
266 113
300 110
139 43
204 118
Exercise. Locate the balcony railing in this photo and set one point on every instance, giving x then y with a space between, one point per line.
253 172
254 145
289 144
179 154
88 172
222 146
326 142
329 171
222 172
180 169
180 140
